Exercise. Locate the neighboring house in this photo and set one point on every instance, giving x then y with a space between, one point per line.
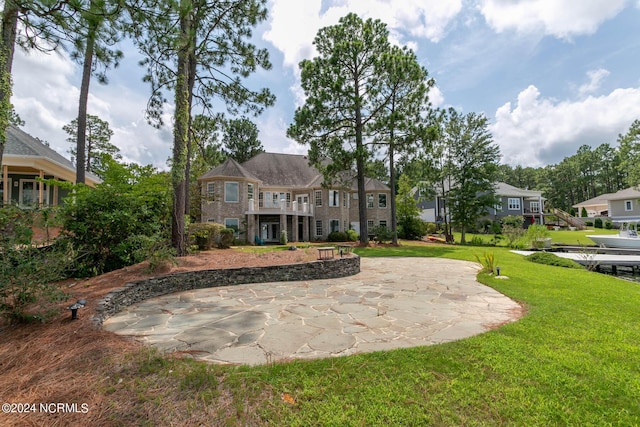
513 201
623 205
272 192
598 206
25 161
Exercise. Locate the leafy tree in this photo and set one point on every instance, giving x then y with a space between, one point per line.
405 89
630 153
111 225
241 140
410 226
199 50
464 167
98 135
341 86
96 31
42 25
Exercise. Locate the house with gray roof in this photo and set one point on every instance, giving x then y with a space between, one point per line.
623 205
272 192
25 161
512 201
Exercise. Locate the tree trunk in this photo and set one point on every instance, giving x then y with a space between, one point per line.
9 29
81 156
392 184
180 133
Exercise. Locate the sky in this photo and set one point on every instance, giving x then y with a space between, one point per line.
550 75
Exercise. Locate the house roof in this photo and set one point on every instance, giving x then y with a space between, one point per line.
282 170
24 150
504 189
627 193
595 201
232 169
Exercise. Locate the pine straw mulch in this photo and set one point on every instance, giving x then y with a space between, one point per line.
73 362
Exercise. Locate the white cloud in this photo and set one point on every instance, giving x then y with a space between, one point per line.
561 19
294 24
595 80
46 97
539 131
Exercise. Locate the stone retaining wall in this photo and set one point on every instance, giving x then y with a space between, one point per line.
141 290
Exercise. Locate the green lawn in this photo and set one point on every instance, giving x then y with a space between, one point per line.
574 359
560 237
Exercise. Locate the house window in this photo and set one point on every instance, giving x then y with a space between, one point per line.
231 192
514 204
319 198
355 196
369 200
261 199
383 223
319 227
29 193
275 203
211 192
382 200
234 224
628 205
287 197
250 191
345 199
334 225
334 198
370 224
535 207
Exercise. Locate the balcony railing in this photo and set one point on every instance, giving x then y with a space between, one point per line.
280 206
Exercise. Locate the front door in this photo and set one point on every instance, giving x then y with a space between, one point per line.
270 231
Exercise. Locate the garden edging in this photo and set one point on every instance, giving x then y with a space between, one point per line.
140 290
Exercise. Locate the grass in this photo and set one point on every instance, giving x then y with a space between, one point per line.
573 359
560 237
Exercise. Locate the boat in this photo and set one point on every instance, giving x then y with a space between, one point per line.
626 238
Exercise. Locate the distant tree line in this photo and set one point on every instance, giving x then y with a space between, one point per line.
588 173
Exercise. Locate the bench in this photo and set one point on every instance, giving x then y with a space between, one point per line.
344 249
326 252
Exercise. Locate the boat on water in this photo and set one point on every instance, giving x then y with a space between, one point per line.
626 238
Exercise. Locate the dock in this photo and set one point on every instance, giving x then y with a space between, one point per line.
594 258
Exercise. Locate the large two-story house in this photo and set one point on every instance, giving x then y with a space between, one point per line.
25 163
511 201
272 192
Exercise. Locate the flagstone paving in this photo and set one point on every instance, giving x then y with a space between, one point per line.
391 303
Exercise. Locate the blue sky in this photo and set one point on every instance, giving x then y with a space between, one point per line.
551 75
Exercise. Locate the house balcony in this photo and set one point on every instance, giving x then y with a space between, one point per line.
280 207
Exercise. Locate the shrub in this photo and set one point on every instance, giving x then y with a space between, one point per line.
205 234
104 224
430 228
588 223
477 241
381 234
338 236
352 236
597 223
283 237
226 238
27 271
608 224
583 213
412 229
548 258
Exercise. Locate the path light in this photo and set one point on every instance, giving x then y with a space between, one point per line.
498 270
75 306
